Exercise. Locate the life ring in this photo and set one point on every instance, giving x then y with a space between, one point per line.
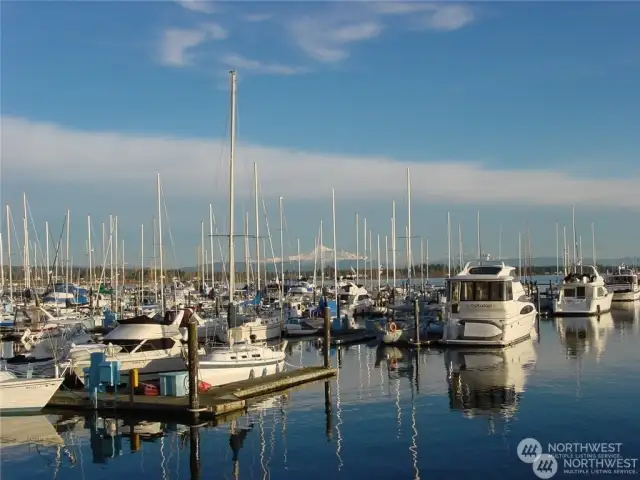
392 327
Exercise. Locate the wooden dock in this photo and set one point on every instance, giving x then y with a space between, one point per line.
213 403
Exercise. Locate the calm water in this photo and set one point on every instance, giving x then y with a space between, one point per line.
391 415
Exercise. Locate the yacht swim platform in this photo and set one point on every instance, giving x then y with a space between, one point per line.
214 402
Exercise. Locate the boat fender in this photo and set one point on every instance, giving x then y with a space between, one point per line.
392 327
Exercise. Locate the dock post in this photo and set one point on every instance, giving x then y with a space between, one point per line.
194 400
416 319
133 383
327 337
194 451
327 410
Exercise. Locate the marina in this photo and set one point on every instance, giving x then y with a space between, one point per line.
344 240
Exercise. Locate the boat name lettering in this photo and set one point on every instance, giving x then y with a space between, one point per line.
480 305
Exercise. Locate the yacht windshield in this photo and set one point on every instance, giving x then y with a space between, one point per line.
478 291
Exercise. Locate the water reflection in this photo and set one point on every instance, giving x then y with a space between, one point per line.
626 318
585 335
489 382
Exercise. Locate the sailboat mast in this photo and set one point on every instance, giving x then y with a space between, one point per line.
593 243
213 271
393 241
321 256
90 250
386 258
500 243
409 256
335 251
365 250
255 194
141 263
66 288
232 151
160 249
448 244
379 266
202 260
9 253
1 265
478 236
281 256
357 247
46 234
557 249
155 259
575 240
299 270
27 267
460 251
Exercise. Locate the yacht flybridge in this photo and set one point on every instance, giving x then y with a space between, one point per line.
582 294
488 306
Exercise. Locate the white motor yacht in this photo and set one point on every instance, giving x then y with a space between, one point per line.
488 306
625 285
151 345
582 294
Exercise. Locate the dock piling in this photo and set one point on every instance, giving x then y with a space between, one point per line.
327 337
133 384
328 410
194 399
194 451
416 315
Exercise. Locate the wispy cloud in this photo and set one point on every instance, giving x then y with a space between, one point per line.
33 151
177 43
257 67
198 6
327 42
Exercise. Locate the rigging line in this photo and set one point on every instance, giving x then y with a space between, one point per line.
35 231
57 251
273 253
15 234
171 242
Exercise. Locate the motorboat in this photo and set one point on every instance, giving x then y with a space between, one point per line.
487 306
625 285
583 294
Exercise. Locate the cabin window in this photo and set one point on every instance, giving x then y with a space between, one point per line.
569 293
157 344
126 345
481 291
363 297
581 292
509 290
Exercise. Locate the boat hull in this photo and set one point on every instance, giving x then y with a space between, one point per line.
490 333
222 373
629 296
582 307
27 395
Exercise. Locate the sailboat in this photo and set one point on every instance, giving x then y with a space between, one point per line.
241 359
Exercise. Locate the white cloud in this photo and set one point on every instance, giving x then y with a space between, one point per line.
177 43
33 151
327 40
198 6
255 66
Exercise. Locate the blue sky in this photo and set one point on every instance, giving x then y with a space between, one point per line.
519 109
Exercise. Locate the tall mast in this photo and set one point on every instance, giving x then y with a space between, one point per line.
358 246
379 267
202 249
393 241
500 243
299 271
386 258
519 255
160 249
335 251
460 249
365 250
593 243
575 239
1 265
66 288
9 253
89 248
478 234
232 152
255 194
370 259
27 267
449 244
321 256
141 263
409 256
281 254
557 249
155 258
213 274
46 234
